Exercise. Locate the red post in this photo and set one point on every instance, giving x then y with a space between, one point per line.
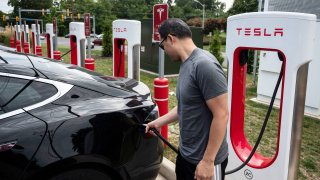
26 47
33 42
161 91
38 50
57 55
18 46
89 64
22 41
48 45
12 42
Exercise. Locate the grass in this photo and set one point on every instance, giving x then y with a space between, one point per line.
254 116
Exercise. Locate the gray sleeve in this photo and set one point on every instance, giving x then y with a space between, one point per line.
210 79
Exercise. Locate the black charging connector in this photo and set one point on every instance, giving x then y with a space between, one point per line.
162 138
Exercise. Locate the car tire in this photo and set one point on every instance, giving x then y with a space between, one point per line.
82 174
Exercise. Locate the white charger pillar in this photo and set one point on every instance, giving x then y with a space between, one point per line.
130 31
26 38
77 43
49 37
267 73
35 37
291 36
17 35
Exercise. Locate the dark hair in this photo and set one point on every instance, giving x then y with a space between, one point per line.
176 27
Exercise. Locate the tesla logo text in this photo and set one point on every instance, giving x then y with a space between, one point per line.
260 32
248 174
120 29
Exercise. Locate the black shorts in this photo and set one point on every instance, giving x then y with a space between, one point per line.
185 170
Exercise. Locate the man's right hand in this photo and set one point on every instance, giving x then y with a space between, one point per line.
153 124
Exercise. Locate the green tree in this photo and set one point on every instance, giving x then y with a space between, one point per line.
243 6
29 4
215 46
133 9
101 9
107 39
187 9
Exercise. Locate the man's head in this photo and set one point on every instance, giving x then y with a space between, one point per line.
176 37
175 27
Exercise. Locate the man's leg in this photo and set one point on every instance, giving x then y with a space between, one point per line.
184 169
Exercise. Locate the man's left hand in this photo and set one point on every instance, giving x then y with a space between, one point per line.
204 170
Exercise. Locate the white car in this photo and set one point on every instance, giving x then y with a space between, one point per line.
42 37
92 45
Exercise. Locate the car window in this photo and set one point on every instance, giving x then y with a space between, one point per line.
18 93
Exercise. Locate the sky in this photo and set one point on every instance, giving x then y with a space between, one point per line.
228 3
5 8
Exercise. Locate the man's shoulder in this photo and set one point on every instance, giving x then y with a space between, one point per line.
203 57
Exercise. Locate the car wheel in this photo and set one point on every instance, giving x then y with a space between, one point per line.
82 174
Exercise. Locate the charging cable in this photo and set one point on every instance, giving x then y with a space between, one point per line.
163 139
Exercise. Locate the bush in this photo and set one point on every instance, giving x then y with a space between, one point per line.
4 39
215 46
250 61
196 22
213 24
206 40
107 40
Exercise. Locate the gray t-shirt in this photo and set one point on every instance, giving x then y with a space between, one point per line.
200 78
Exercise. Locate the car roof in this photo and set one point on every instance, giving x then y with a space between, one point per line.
19 63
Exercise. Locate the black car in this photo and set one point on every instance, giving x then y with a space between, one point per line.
60 121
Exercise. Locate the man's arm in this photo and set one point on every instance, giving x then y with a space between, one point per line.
168 118
219 109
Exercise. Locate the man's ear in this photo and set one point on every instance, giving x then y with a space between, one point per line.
173 39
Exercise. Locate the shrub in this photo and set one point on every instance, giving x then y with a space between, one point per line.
196 22
107 40
207 38
215 46
213 24
4 39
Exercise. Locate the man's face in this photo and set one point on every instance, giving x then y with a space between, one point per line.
168 44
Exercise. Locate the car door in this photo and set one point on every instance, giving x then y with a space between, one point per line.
21 133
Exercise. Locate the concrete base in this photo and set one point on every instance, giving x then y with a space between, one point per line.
167 170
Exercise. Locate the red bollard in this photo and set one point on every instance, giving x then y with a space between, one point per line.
38 50
26 48
57 55
89 64
161 91
12 42
18 46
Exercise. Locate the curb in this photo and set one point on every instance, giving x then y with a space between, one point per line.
167 169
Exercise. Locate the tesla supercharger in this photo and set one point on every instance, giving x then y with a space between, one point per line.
292 36
25 38
35 38
49 38
17 36
77 43
130 31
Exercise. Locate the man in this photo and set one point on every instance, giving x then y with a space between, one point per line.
202 108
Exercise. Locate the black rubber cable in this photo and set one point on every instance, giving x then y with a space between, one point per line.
119 66
164 140
68 51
